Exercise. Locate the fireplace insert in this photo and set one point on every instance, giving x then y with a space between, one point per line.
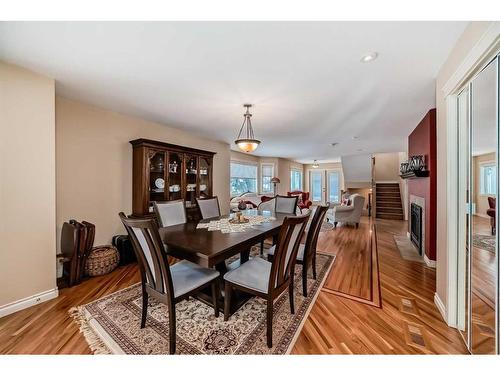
416 226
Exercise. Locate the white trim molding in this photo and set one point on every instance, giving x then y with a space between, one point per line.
24 303
430 263
441 307
489 42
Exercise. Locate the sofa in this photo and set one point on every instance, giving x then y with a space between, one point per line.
252 200
304 202
347 213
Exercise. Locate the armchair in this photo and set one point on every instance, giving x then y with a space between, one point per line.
347 214
491 212
304 201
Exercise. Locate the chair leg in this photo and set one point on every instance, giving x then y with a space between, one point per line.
262 247
290 295
144 315
215 296
172 328
304 280
357 225
335 224
314 266
227 300
269 318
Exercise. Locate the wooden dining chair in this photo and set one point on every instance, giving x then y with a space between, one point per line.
209 207
306 255
268 280
166 283
170 213
70 237
281 205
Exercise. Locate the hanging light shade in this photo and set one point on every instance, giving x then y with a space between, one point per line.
315 164
246 140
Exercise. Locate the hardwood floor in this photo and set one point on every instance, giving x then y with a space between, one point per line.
406 322
483 293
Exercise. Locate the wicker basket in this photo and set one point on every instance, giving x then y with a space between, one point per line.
102 260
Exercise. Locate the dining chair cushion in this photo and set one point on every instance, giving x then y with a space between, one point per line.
187 276
300 252
209 207
253 274
171 213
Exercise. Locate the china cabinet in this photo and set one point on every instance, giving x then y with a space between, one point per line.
165 172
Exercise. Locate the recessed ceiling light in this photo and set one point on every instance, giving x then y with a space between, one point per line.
369 57
355 137
359 149
334 144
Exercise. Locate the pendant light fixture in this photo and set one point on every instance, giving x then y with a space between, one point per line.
315 164
246 140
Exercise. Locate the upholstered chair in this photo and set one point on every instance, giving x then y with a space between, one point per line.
348 214
170 213
209 207
269 205
268 280
304 202
491 212
167 284
306 255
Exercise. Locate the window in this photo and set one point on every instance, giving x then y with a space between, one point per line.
295 180
334 186
267 174
243 178
316 185
488 182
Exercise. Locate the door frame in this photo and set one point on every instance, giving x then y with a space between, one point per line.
479 56
325 184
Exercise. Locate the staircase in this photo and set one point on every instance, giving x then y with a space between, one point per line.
388 201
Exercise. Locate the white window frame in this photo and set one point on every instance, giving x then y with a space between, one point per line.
482 165
261 185
301 188
244 163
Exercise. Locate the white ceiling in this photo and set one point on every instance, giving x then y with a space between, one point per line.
305 78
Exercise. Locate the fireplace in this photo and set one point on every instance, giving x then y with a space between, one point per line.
416 226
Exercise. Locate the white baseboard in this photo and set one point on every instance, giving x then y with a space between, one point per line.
28 302
430 263
440 306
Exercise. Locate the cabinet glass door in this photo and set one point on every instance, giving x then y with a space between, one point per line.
191 187
174 176
205 176
156 175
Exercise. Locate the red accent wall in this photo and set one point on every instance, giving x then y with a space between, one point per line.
422 141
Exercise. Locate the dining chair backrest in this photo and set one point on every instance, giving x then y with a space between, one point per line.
209 207
148 247
170 213
269 205
313 232
286 205
69 239
287 246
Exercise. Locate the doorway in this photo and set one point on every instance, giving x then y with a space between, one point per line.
325 185
478 130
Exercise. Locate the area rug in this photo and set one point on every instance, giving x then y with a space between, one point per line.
484 241
407 250
111 325
326 226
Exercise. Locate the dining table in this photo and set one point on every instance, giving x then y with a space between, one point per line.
213 248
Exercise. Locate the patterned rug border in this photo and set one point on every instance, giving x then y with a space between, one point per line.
100 342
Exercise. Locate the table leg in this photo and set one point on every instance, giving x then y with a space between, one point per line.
244 256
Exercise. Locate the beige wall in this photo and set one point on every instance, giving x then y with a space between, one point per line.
27 184
386 167
94 163
481 200
466 42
